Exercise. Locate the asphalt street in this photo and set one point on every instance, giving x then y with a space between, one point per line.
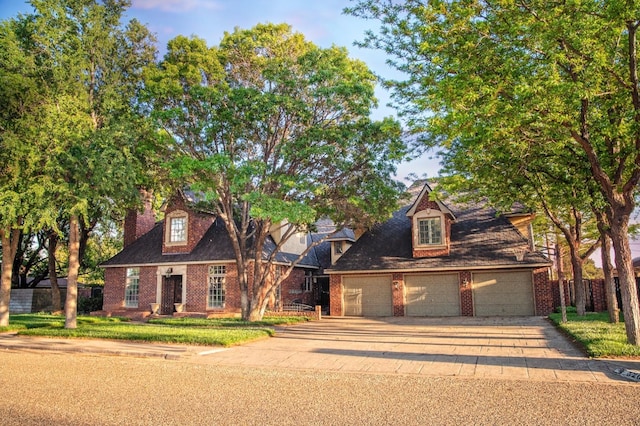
41 388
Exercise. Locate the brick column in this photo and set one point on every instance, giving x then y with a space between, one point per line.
542 292
335 295
398 294
466 294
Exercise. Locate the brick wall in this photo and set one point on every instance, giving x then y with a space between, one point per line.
198 287
113 295
542 292
114 291
431 253
425 203
147 286
136 224
293 289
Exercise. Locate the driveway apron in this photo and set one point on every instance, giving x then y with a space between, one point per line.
496 347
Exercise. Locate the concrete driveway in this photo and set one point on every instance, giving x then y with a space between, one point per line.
508 348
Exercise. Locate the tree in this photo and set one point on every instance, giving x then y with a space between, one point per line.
275 131
21 184
559 74
90 66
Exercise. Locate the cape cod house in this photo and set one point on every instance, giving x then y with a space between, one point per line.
186 263
430 259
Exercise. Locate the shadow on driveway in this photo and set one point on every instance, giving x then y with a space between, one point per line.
501 347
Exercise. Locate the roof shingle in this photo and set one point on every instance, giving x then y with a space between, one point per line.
479 239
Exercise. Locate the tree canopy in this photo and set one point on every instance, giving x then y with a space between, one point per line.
89 146
275 130
513 89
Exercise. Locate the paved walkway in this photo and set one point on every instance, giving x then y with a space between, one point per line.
511 348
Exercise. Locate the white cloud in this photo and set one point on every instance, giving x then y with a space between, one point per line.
176 5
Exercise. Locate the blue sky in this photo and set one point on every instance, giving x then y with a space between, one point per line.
321 21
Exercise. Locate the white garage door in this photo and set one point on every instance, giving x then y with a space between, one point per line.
432 295
503 293
368 296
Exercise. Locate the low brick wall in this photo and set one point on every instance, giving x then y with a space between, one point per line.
314 315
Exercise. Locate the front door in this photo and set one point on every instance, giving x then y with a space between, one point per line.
171 293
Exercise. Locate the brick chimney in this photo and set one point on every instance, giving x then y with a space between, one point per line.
136 223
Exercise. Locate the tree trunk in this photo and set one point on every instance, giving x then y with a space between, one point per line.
259 298
563 302
71 303
609 283
56 300
18 257
624 265
576 266
243 281
9 238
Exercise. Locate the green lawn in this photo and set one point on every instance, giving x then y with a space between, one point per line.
597 335
193 331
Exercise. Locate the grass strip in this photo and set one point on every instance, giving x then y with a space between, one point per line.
158 334
597 335
193 331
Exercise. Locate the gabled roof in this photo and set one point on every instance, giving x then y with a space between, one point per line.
322 250
479 239
345 234
426 190
215 245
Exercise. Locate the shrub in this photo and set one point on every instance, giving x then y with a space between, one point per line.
89 304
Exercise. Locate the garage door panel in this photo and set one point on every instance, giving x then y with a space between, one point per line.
503 293
432 295
368 296
353 301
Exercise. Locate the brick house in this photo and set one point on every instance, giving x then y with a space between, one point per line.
186 263
431 259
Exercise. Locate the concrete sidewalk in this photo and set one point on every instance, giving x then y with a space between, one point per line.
12 341
523 348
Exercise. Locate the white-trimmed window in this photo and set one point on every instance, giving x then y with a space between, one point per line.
216 290
178 230
430 231
132 288
308 281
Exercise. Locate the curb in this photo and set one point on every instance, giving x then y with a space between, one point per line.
75 347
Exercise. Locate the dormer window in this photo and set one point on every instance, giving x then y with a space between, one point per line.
178 231
337 248
430 231
177 227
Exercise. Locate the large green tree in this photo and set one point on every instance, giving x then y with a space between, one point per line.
562 74
275 131
22 108
89 67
